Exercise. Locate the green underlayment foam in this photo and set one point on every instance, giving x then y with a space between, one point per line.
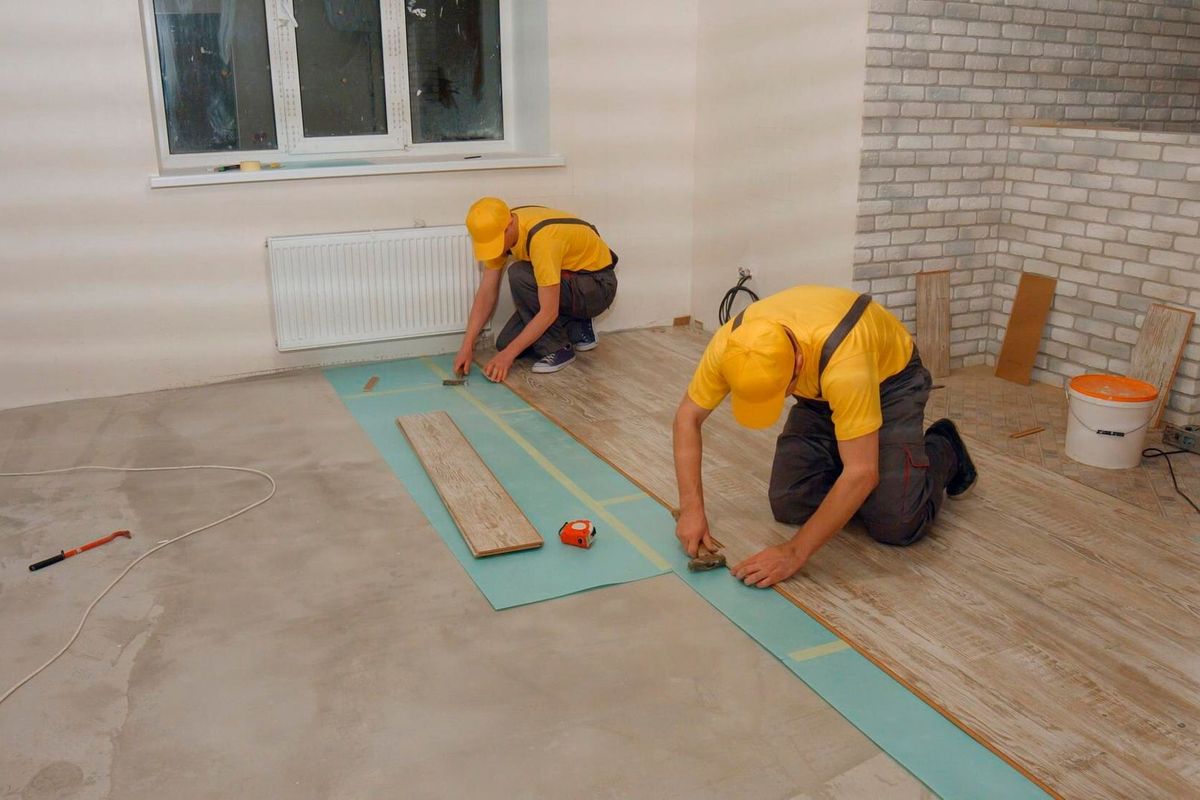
554 478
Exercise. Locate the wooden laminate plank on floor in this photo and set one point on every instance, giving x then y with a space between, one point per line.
1023 335
1159 349
1056 623
489 520
933 321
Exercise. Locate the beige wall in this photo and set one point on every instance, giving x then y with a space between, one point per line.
778 129
110 287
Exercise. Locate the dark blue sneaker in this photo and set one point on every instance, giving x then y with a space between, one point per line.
585 337
555 361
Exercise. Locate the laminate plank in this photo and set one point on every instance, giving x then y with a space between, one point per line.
933 321
489 520
1052 621
1023 336
1158 351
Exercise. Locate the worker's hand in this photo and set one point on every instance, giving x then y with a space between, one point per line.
462 361
692 532
497 369
770 566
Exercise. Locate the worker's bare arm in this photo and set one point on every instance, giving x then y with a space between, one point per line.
481 310
860 476
548 300
692 526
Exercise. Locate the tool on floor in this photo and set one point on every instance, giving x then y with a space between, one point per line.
706 561
96 468
65 554
578 533
454 382
371 383
1026 432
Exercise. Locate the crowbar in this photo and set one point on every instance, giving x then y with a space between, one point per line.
65 554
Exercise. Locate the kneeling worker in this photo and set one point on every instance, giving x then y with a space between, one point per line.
562 276
854 443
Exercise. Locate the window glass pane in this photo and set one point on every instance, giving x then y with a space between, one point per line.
340 53
216 75
454 70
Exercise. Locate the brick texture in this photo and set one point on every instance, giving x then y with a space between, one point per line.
948 183
1114 250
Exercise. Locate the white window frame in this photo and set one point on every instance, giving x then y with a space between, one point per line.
293 146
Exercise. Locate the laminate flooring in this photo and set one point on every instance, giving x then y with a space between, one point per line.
488 519
1052 620
989 409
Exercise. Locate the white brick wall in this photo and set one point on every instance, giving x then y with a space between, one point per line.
1128 238
946 184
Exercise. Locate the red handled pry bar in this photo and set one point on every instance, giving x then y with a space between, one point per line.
65 554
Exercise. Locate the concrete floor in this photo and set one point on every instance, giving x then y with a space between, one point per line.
327 645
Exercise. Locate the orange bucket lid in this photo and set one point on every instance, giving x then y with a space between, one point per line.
1117 388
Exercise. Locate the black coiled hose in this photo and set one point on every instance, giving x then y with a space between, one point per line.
725 310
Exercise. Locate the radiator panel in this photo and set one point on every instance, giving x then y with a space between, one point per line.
350 288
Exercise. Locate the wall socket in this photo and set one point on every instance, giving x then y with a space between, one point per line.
745 272
1186 437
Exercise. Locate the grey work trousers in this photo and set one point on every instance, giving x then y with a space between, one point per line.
913 468
582 295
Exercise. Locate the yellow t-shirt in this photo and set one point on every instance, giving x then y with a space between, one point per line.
571 244
877 348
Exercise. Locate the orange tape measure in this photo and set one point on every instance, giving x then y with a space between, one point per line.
578 533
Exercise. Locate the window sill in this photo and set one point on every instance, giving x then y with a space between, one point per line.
333 169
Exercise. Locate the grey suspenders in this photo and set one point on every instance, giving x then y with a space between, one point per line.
563 221
835 338
841 332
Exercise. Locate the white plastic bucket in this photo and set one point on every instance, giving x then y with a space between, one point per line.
1107 417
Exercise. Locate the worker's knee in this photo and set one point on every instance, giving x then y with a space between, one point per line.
791 507
896 532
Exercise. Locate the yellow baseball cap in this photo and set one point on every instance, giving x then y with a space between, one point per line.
487 220
759 362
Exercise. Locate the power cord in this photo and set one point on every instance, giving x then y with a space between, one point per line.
725 310
1154 452
144 555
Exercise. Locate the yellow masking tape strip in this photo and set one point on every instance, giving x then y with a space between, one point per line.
628 498
568 484
818 651
418 388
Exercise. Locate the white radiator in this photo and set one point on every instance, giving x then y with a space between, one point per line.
346 288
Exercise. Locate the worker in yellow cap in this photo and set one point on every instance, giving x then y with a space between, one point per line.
562 275
854 443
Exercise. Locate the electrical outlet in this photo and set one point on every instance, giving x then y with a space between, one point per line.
1186 437
745 272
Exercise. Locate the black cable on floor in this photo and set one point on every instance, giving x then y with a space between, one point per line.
725 310
1154 452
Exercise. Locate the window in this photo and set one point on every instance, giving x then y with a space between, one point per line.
321 80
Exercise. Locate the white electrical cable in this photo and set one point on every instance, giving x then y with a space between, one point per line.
144 555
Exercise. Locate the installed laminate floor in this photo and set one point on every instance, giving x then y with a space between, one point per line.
1056 622
990 409
328 645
